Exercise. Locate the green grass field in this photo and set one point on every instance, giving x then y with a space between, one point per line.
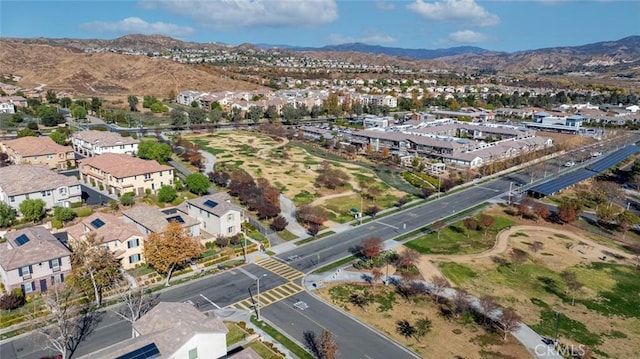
456 239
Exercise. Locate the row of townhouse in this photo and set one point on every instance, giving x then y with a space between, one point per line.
92 143
442 142
120 173
38 150
33 258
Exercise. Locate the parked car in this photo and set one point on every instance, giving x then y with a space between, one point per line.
570 164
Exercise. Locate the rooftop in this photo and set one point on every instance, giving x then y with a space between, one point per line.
35 146
104 138
33 178
107 228
217 204
30 246
122 166
155 220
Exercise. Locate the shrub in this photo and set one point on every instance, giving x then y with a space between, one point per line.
11 301
167 194
101 187
56 223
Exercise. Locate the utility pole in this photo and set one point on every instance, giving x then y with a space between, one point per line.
258 302
510 187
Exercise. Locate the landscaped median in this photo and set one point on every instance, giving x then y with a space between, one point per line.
294 348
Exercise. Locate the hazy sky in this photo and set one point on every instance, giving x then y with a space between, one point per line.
495 25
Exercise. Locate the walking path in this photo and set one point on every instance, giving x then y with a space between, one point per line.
288 211
210 161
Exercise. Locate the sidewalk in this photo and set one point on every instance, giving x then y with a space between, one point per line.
287 210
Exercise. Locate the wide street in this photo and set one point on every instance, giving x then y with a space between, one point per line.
233 287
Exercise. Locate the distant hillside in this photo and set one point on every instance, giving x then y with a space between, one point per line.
608 56
418 54
106 74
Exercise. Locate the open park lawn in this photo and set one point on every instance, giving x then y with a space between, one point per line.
606 312
448 338
294 171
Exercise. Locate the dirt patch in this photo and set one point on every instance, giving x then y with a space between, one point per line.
463 339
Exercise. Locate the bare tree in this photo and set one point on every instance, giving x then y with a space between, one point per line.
487 306
486 221
460 302
537 246
635 249
439 283
71 320
438 226
371 247
510 321
376 274
518 256
408 258
134 303
327 346
573 284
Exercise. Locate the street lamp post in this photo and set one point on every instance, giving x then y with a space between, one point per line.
557 315
258 291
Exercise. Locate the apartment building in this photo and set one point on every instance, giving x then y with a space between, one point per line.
149 219
37 182
94 143
122 238
215 213
38 150
33 259
119 173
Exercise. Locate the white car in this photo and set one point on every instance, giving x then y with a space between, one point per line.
570 164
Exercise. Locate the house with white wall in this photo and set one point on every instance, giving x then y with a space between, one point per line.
33 259
92 143
21 182
171 331
215 213
152 220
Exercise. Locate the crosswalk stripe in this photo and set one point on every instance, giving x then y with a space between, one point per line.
295 286
269 295
264 300
281 291
240 306
288 290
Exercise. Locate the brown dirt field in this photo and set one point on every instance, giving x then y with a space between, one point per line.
463 343
565 139
568 248
291 171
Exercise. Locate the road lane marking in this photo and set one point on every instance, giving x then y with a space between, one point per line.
280 269
388 225
210 301
270 296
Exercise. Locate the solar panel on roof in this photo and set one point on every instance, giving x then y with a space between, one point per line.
22 239
97 223
175 219
210 203
148 351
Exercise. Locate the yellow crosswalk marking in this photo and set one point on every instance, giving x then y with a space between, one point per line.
270 296
281 269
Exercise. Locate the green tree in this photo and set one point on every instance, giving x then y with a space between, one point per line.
51 96
158 107
26 132
178 117
423 326
96 104
332 105
152 150
147 101
197 183
59 137
271 113
7 215
127 199
167 194
404 328
78 112
63 214
33 210
195 104
255 113
133 103
65 102
197 115
216 115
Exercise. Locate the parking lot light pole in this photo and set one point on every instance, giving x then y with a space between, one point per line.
258 291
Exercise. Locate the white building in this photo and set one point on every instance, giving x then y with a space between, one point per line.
21 182
93 143
216 214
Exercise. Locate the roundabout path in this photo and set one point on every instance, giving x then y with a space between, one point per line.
594 250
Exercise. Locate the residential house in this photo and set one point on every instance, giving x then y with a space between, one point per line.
216 214
21 182
92 143
38 150
33 259
122 238
152 220
171 331
9 104
119 173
